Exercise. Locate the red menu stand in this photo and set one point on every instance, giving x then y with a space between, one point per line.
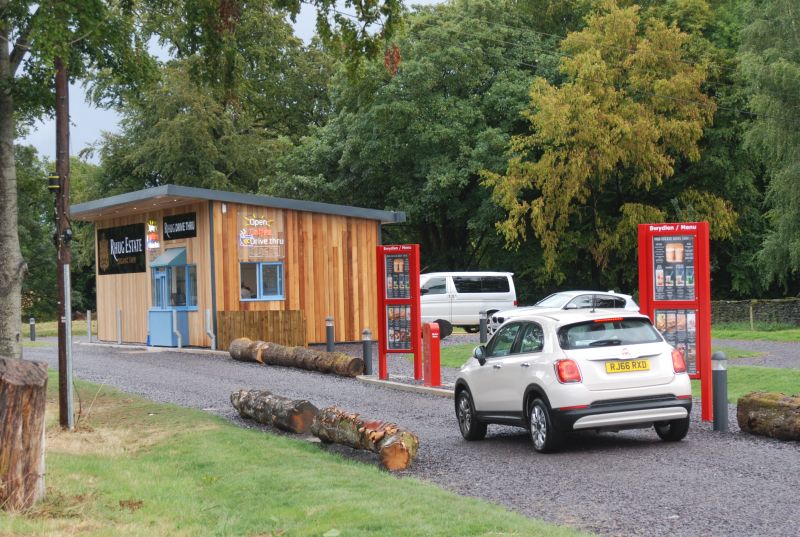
675 292
398 305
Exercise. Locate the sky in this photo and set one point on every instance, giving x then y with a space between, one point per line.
88 122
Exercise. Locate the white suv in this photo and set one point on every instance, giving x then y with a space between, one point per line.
565 371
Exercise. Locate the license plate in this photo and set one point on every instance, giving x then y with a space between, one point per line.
624 366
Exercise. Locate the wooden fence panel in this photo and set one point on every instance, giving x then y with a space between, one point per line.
285 327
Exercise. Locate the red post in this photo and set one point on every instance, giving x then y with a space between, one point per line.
430 350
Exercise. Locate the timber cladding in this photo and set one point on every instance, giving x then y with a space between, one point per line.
329 267
283 327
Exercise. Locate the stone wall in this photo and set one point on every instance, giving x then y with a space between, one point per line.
782 311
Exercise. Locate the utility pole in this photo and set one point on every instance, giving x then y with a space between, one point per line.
62 240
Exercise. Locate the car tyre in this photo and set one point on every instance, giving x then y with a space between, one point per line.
545 437
672 431
471 329
471 428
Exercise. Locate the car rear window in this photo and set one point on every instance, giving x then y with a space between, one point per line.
607 332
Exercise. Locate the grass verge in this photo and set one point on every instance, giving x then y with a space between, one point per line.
50 329
762 332
745 379
136 468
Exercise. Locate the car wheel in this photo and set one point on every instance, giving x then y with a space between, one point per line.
672 431
471 428
544 435
471 329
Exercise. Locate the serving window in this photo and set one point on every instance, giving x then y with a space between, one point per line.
261 281
174 287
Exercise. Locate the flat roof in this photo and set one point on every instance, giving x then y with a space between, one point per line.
167 196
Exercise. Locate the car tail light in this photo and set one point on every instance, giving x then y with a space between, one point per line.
678 363
567 371
516 303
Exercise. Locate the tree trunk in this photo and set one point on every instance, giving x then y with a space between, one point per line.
12 265
23 396
396 447
289 415
770 414
338 363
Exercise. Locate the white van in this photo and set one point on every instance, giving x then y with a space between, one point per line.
459 297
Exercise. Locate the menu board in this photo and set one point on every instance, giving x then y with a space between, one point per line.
679 328
398 280
673 261
398 327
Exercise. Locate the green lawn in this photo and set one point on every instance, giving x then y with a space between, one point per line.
763 332
745 379
50 328
135 468
455 355
732 353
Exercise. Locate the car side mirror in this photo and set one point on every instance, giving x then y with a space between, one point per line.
571 307
479 353
423 291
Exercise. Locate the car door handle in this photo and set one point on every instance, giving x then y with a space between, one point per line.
524 364
497 366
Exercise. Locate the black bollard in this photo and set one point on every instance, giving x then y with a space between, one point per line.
719 384
329 334
484 322
366 338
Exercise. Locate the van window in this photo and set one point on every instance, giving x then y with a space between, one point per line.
494 284
481 284
435 286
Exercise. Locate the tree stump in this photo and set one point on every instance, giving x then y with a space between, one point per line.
396 447
770 414
23 396
338 363
289 415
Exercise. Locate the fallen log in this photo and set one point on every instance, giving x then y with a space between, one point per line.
770 414
23 396
338 363
395 446
245 350
265 407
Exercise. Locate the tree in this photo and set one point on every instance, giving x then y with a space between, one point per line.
602 144
94 39
416 140
770 62
105 42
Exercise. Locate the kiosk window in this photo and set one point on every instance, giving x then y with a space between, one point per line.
261 281
174 287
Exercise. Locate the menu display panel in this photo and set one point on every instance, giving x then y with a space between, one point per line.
673 263
398 327
398 276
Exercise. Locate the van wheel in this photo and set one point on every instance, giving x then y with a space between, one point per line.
471 329
445 328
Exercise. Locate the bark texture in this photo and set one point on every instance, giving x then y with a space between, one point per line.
23 396
770 414
338 363
12 265
287 414
395 446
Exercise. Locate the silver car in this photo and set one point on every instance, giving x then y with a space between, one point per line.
566 300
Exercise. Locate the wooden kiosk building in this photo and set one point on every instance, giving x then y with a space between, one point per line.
188 266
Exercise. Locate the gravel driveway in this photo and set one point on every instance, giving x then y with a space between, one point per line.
626 483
